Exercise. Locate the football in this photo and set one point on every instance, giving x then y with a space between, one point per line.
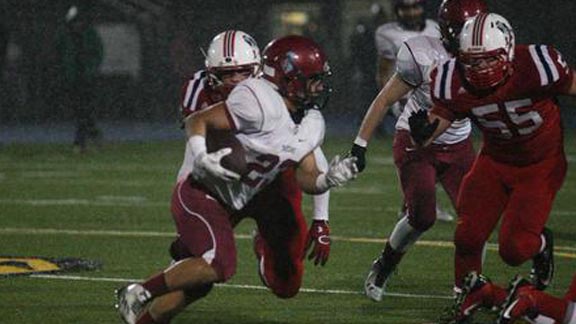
235 161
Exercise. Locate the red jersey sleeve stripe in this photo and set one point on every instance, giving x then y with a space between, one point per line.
546 68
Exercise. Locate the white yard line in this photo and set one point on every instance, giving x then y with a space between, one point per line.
560 250
237 286
136 201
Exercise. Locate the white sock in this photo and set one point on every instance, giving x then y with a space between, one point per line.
403 236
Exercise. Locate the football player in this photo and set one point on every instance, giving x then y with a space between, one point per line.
410 22
525 301
204 204
447 160
232 57
510 92
522 300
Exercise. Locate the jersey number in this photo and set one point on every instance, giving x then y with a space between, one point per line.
256 175
524 122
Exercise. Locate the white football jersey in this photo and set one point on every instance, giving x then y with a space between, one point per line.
390 36
271 139
416 59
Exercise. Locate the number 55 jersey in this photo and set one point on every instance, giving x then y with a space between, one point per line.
520 120
272 140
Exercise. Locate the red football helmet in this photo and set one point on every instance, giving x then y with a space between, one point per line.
452 15
299 68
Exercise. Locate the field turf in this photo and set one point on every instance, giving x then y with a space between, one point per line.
112 205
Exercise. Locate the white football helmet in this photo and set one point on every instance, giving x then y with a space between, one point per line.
232 50
486 50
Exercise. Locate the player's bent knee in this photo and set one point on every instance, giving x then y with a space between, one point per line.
224 270
422 224
286 291
513 253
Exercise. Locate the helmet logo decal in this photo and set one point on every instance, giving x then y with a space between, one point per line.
250 41
507 32
288 64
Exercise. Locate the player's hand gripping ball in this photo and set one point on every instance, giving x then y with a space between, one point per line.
236 160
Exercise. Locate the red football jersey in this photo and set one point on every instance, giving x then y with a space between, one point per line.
520 121
198 94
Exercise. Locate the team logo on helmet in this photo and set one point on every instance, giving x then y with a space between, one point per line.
249 40
507 32
288 64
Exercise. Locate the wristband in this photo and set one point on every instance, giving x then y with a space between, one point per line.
321 203
361 142
197 144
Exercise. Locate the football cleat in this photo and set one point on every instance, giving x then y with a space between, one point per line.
513 305
543 263
443 215
131 302
474 292
375 283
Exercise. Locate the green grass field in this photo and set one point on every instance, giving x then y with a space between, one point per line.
112 205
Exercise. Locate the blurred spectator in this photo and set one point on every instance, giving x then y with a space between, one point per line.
410 22
80 53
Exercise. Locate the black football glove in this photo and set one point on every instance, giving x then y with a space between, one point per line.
360 153
420 128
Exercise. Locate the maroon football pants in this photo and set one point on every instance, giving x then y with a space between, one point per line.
205 229
420 169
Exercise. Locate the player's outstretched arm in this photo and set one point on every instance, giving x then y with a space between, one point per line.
312 181
393 91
